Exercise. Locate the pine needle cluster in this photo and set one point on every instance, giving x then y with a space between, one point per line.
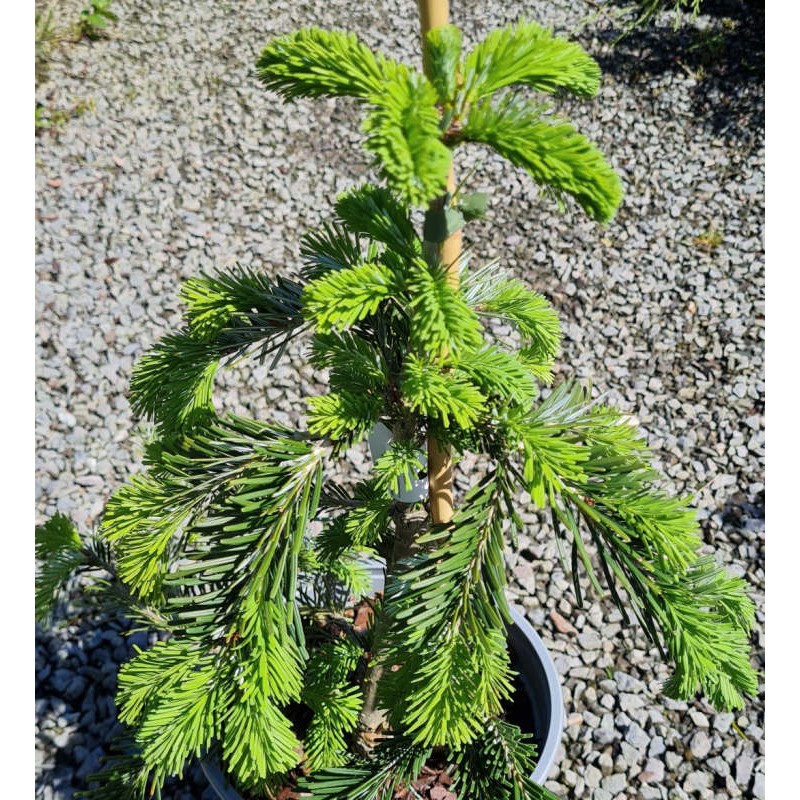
238 545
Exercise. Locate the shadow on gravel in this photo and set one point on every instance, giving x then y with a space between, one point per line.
740 513
726 59
76 678
76 721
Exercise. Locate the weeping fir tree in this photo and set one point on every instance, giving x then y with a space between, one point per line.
210 544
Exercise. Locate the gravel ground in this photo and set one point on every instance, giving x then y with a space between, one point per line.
173 160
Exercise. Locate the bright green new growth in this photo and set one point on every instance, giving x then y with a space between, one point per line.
214 544
316 63
529 55
413 123
552 152
59 549
404 136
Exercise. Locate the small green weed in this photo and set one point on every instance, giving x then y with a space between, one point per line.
709 241
82 106
642 13
49 119
42 122
648 9
53 28
44 42
94 19
54 119
49 34
709 46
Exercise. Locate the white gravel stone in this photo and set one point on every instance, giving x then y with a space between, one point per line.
656 747
698 718
615 783
653 771
744 769
700 745
637 737
592 776
697 781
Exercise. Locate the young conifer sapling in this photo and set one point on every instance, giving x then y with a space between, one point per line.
236 542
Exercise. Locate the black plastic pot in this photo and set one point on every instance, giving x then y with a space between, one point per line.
536 706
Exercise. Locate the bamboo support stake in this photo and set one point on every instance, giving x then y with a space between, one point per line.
433 14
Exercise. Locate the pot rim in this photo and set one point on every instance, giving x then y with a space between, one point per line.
555 728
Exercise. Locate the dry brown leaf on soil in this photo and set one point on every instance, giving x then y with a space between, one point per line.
363 618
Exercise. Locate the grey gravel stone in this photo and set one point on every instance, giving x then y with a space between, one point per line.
722 722
637 737
653 771
61 680
700 745
673 760
648 792
76 688
61 739
604 735
91 763
698 718
656 747
631 702
589 640
614 783
744 769
630 756
697 781
627 683
719 765
592 776
606 763
732 787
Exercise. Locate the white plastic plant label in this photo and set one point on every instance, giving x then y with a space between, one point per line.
380 439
